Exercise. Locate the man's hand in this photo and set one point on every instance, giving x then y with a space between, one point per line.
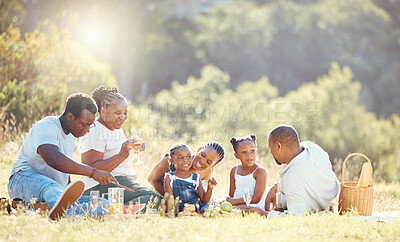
211 183
271 197
104 177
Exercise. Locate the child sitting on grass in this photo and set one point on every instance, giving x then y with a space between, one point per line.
183 184
247 176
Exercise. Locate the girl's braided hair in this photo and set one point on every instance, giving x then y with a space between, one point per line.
177 146
234 141
171 152
104 96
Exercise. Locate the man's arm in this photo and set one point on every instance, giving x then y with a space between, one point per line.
271 197
54 158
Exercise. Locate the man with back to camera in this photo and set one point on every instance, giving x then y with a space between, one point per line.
45 159
307 181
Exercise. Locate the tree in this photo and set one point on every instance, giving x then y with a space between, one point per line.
40 70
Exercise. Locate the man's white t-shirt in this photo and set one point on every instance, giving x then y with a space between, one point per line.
109 142
46 131
308 183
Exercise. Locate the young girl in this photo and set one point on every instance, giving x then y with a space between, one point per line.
204 162
185 184
247 176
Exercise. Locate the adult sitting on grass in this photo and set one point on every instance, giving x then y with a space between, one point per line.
308 183
203 164
45 160
106 148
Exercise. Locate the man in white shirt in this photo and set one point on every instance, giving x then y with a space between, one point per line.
307 182
45 160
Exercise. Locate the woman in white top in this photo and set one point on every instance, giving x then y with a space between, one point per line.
105 147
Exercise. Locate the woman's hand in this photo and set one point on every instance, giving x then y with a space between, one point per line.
139 144
211 183
142 146
126 147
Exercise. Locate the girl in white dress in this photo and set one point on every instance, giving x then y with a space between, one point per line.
248 175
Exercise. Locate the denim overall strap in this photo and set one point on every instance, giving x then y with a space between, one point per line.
173 176
186 191
194 179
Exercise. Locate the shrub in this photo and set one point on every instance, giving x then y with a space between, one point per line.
38 71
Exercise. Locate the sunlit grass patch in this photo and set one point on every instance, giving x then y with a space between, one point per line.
250 228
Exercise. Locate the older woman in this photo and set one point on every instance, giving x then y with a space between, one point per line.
106 148
203 164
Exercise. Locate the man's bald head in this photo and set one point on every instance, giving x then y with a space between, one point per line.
285 134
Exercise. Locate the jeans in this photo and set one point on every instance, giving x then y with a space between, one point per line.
29 184
187 193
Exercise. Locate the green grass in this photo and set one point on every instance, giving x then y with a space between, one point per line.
152 227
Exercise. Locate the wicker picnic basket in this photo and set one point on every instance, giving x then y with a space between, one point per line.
353 199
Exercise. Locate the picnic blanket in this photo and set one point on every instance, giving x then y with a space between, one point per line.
381 216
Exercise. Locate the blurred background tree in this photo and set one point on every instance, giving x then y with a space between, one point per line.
149 44
203 70
38 70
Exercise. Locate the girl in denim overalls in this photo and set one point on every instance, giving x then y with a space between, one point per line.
185 185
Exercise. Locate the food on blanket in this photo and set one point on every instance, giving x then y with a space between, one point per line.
188 210
226 206
365 176
184 213
132 209
212 212
190 207
236 212
116 208
227 214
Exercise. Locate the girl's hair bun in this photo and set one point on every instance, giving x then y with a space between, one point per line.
235 141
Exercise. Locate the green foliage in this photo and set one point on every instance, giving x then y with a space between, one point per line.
24 105
178 112
167 46
326 112
236 39
39 71
292 43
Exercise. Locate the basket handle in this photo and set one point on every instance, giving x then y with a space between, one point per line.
348 157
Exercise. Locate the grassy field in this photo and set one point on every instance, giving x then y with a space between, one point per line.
152 227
